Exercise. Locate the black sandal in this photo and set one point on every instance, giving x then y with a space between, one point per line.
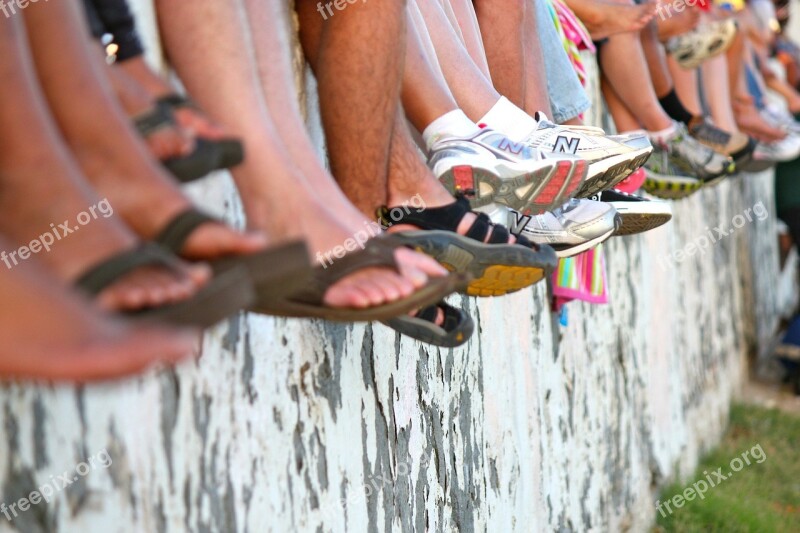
203 160
225 295
497 267
275 273
456 330
231 151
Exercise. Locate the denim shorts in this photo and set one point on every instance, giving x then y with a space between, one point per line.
567 97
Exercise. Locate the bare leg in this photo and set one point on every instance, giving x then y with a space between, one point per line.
718 93
43 186
687 87
622 60
472 89
513 51
608 18
222 74
48 334
111 154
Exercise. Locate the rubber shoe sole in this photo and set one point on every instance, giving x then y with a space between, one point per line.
634 223
671 190
606 173
496 269
527 193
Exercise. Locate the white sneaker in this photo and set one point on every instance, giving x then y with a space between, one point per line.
575 227
767 154
638 214
489 168
610 161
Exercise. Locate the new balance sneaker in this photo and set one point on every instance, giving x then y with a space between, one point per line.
638 214
693 158
575 227
488 168
704 42
610 161
737 145
664 180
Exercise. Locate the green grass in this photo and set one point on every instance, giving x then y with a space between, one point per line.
760 498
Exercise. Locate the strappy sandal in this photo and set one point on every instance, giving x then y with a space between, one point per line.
225 295
496 267
231 151
275 273
204 159
456 330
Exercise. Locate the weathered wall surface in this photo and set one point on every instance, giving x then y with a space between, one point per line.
286 425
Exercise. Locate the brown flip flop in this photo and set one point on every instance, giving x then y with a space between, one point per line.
275 272
225 295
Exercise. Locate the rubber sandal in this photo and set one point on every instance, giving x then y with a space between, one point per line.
275 272
379 253
204 159
231 151
223 296
497 268
456 330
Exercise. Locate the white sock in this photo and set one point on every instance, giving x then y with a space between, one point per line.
452 124
663 135
510 120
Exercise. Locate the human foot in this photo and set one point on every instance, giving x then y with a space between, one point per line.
604 19
50 335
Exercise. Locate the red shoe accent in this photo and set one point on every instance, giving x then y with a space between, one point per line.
632 183
553 187
462 175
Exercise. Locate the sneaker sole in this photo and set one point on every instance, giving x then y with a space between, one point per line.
671 190
634 223
539 195
608 172
495 269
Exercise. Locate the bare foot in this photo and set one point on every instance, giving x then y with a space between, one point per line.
50 335
166 141
603 19
193 121
677 23
750 122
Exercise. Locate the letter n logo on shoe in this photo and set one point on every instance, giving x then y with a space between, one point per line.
507 145
566 145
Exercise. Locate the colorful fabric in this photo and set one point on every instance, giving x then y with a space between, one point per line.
582 277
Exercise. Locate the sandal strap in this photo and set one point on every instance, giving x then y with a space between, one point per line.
448 218
151 121
106 273
175 234
378 252
177 101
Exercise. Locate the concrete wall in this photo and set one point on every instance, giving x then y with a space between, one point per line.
287 425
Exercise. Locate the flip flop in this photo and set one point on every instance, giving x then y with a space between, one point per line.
496 267
231 151
275 273
204 159
225 295
456 330
379 253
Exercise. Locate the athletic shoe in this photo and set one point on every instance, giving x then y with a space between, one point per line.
693 158
638 214
575 227
488 168
609 160
737 145
767 155
780 119
664 180
703 42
